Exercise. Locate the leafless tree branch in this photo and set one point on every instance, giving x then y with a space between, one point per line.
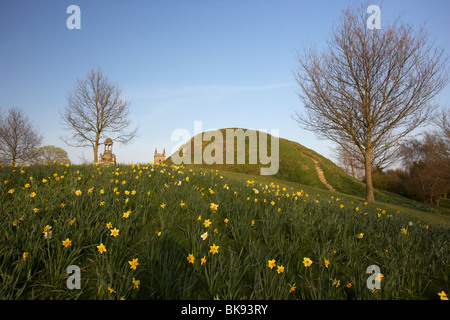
95 110
18 137
370 88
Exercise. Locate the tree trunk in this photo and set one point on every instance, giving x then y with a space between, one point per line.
353 169
95 147
368 170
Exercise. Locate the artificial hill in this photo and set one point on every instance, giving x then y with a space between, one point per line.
296 163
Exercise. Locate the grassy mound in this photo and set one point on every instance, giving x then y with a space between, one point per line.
295 162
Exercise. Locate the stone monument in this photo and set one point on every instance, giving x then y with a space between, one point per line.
107 157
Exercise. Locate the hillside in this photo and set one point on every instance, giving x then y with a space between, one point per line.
296 164
160 233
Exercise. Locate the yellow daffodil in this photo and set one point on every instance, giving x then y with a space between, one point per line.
133 263
136 283
127 214
207 223
214 249
336 283
67 243
271 263
101 248
280 269
443 295
115 232
190 258
307 262
326 262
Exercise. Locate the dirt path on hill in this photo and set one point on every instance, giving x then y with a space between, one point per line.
321 175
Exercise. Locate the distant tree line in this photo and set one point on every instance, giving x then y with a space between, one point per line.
424 171
21 140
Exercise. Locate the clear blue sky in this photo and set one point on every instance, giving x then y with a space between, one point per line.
226 63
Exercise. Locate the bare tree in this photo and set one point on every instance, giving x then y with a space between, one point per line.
428 164
95 110
50 155
370 88
18 137
349 161
442 123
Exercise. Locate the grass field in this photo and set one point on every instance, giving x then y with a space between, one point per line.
165 232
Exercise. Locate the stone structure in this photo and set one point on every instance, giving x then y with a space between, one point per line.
107 158
159 157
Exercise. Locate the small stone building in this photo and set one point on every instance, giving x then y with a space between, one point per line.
107 157
159 157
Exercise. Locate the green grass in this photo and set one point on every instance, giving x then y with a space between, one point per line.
445 203
393 202
264 222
